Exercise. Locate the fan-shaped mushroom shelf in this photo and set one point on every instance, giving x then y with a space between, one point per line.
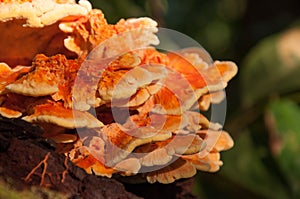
113 103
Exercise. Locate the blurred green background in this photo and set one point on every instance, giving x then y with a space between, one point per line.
263 38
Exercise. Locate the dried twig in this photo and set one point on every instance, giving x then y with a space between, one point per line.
65 172
33 171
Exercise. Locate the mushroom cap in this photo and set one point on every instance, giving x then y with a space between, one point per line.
206 100
196 56
40 13
92 165
209 158
53 76
128 167
177 170
22 22
198 121
66 83
64 138
104 43
210 75
185 84
91 30
168 123
210 163
123 85
175 96
104 53
216 141
190 121
9 75
86 32
162 152
120 142
56 113
13 104
81 156
43 80
9 113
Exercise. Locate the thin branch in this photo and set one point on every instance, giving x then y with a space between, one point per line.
33 171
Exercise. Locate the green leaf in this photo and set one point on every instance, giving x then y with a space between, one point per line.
244 165
271 67
286 116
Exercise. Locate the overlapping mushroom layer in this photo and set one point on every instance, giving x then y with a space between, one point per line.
135 110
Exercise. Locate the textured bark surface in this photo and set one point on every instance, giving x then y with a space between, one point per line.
23 151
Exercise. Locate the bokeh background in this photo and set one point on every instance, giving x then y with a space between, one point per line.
263 113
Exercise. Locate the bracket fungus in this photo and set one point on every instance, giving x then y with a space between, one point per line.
136 109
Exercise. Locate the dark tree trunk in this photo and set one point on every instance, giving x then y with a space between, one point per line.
28 160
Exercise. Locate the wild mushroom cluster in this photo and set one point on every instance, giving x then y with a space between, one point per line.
110 101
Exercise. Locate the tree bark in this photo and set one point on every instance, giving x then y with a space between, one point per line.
28 160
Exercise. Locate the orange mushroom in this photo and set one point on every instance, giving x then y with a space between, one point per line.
210 163
92 165
53 76
8 75
89 31
9 113
206 100
13 105
43 79
177 170
123 86
129 166
191 83
100 58
82 62
209 158
120 142
191 121
56 113
162 152
22 22
215 141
